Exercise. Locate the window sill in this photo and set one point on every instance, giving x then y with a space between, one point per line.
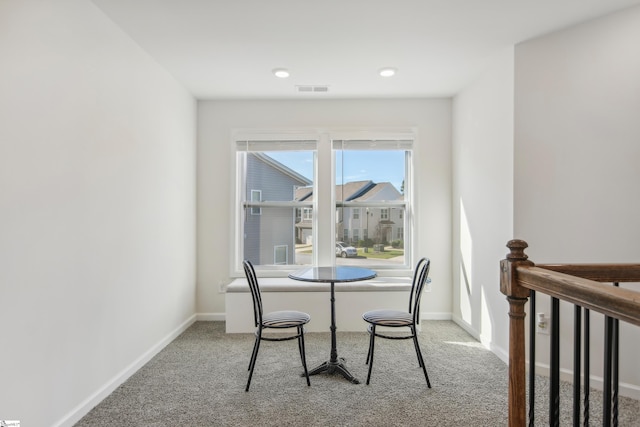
283 284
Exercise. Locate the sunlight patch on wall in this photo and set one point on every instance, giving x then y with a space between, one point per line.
466 250
486 326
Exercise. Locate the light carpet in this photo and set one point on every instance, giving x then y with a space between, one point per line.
199 380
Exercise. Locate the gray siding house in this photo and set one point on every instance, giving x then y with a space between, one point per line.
269 232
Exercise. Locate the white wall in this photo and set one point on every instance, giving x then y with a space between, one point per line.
97 189
216 119
577 150
97 208
483 201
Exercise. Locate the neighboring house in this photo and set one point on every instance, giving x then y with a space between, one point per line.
268 237
381 225
304 216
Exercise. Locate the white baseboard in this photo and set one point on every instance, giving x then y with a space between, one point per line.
464 325
83 408
500 352
211 317
221 317
435 316
625 389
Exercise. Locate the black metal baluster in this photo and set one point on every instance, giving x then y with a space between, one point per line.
606 386
532 356
577 330
554 399
587 382
615 365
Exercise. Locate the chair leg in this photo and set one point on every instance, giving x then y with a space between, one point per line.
253 353
303 353
370 356
254 356
420 359
368 352
416 346
300 343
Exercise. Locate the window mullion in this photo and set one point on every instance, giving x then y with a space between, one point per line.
324 204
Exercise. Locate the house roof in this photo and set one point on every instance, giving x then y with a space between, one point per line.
303 193
360 191
352 190
377 189
282 168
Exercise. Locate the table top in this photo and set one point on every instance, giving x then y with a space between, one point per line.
336 274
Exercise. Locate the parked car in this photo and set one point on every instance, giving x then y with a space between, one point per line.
344 250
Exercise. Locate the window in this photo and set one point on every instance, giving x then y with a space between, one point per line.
280 255
296 197
256 196
268 187
373 176
307 214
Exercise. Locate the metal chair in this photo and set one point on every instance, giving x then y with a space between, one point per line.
274 320
401 319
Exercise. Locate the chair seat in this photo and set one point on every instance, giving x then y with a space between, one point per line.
388 318
285 319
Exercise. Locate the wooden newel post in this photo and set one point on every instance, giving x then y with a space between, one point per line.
517 297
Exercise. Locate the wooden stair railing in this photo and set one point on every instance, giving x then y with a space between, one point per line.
578 284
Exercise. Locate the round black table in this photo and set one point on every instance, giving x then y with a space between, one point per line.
333 275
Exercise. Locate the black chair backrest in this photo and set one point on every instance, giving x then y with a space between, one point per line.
420 276
250 272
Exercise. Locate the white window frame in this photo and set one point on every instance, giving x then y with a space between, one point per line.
259 141
324 185
387 141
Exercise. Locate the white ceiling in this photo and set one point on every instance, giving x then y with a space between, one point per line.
226 49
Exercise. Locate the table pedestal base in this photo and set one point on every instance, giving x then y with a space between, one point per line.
335 364
337 367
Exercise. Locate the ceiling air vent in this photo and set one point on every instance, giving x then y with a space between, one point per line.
312 89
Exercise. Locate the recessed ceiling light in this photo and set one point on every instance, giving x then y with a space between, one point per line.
283 73
387 72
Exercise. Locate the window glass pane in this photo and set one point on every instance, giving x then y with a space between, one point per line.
277 201
278 211
370 199
256 196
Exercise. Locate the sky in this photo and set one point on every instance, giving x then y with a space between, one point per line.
351 165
